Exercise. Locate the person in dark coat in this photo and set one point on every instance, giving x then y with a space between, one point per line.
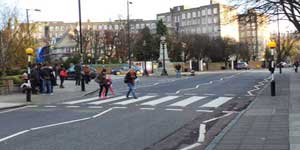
77 69
130 78
102 81
35 79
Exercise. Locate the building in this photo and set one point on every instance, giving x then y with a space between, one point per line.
254 32
215 20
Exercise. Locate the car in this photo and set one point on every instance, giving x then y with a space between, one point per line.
242 65
124 69
283 65
71 73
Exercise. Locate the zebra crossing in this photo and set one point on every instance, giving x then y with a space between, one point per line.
211 102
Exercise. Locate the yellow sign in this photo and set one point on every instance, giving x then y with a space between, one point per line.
29 51
272 44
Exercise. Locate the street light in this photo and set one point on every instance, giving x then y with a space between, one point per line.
163 42
80 45
128 36
145 54
29 52
27 17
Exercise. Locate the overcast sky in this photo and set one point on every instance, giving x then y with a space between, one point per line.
104 10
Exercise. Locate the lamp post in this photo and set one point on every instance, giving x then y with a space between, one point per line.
128 35
29 52
80 45
27 18
272 46
163 42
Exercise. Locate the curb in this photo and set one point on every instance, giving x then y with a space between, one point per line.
12 107
221 135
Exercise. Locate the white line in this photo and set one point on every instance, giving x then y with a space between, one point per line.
190 94
119 107
107 100
209 94
202 131
11 110
147 108
161 100
191 146
216 118
204 110
95 107
61 123
81 101
229 94
72 106
14 135
155 83
221 79
102 113
174 109
187 101
32 106
134 100
49 106
217 102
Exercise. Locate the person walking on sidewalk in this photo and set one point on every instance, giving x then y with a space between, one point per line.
130 78
77 69
101 80
86 74
46 77
178 70
35 79
296 65
63 74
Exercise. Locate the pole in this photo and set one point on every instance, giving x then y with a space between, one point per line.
273 89
128 36
278 40
80 43
28 91
27 18
164 72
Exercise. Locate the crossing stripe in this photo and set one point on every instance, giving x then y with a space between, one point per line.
134 100
81 101
217 102
161 100
107 100
188 101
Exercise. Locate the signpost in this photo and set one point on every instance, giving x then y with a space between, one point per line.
272 46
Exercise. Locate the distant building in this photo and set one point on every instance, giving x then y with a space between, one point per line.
215 20
254 32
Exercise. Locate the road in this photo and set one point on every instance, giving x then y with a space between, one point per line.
166 115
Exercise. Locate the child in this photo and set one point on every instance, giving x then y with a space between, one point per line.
109 84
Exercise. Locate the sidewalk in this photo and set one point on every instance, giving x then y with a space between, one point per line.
269 123
70 91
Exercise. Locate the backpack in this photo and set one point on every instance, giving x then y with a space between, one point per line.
126 78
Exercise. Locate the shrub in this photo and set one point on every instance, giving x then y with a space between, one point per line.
16 79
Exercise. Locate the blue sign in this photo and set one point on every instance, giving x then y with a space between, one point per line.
40 58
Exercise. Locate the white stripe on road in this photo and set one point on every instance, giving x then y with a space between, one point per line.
62 123
161 100
81 101
50 106
95 107
202 131
73 106
191 146
147 108
14 135
174 109
208 111
209 94
217 102
187 101
134 100
107 100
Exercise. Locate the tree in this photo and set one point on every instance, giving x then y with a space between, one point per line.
161 28
287 47
14 39
144 46
290 9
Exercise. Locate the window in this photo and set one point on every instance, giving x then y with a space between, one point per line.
208 11
189 15
105 27
203 12
253 33
56 28
116 27
142 26
199 13
216 28
183 16
209 20
194 14
204 30
137 26
215 10
203 21
94 27
216 19
168 18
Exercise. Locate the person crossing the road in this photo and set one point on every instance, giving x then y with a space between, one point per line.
102 81
130 78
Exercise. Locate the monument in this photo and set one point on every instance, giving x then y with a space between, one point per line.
167 67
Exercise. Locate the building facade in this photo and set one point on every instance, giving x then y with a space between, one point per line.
215 20
254 32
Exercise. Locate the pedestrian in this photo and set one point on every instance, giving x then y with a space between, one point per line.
39 69
101 80
296 65
86 74
56 73
46 77
77 69
109 84
129 79
34 79
178 70
63 74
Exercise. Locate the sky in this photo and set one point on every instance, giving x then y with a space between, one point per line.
104 10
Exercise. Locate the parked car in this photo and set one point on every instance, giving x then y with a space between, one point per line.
242 65
71 73
284 64
124 69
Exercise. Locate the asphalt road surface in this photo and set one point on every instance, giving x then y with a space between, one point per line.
166 115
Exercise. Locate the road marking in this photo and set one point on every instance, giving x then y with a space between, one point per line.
32 106
14 135
119 107
49 106
188 101
134 100
217 102
155 83
107 100
190 94
209 94
205 111
229 95
95 107
11 110
72 106
81 101
102 113
61 123
202 131
174 109
216 118
161 100
191 146
147 108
